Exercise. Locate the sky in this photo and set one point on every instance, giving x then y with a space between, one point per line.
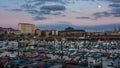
55 12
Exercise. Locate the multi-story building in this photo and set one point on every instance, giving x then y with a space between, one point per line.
26 28
38 32
54 33
8 30
48 33
1 31
16 32
45 33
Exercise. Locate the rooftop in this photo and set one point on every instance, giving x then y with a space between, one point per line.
26 23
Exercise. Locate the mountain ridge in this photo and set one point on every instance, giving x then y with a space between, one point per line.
60 27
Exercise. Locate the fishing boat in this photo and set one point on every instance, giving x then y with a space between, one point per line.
113 56
110 65
83 62
72 51
96 63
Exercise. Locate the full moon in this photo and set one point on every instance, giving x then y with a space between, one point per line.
99 6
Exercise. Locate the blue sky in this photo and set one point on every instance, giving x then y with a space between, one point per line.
54 12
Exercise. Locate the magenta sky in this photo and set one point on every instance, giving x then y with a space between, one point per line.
45 12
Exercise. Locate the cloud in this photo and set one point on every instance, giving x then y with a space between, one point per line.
43 0
56 13
53 8
27 6
115 9
82 17
3 6
114 1
42 7
58 7
17 10
101 14
38 12
39 2
114 12
39 18
114 5
32 11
